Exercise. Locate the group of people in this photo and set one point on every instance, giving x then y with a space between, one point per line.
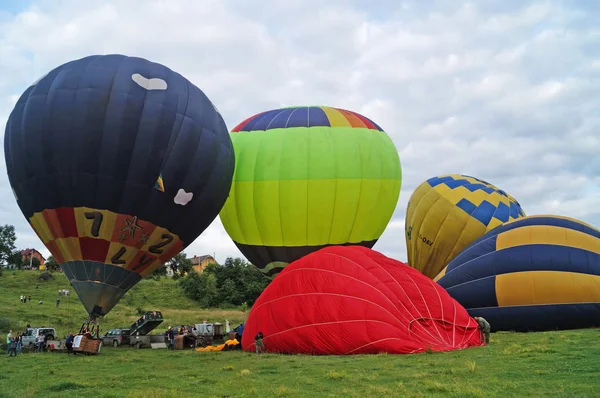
14 343
61 292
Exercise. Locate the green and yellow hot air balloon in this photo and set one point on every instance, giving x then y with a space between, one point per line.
309 177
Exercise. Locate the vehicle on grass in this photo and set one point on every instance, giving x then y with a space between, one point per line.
31 334
116 337
141 328
147 340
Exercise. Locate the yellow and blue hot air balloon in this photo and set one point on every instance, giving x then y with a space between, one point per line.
448 212
535 273
309 177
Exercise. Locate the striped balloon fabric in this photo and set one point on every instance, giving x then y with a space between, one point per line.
345 300
306 178
448 212
535 273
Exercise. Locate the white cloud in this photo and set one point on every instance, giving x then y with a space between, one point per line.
505 91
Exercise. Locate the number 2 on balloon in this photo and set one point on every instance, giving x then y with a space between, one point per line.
158 248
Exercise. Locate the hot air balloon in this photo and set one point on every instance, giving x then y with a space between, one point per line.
353 300
448 212
118 164
308 177
532 274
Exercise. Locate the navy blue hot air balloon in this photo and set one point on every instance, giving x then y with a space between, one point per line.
118 164
530 274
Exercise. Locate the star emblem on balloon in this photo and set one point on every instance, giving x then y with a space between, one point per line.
131 226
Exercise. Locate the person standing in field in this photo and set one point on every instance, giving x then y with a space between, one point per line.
19 341
485 328
8 337
12 347
69 344
171 335
259 343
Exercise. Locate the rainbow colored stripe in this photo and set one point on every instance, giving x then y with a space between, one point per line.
305 116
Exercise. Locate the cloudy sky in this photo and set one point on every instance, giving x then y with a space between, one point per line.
505 90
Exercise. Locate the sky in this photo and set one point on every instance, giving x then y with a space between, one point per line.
504 90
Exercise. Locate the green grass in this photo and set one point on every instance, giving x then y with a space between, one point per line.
549 364
160 295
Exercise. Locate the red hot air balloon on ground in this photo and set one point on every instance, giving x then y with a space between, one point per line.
353 300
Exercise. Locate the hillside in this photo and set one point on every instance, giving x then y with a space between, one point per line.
161 295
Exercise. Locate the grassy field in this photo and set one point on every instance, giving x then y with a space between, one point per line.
550 364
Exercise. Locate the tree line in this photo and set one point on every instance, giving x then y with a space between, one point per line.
234 283
12 257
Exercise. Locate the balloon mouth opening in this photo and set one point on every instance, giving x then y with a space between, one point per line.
96 313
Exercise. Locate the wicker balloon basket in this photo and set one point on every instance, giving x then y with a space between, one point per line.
85 344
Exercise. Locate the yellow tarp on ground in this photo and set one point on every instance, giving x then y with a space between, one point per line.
218 347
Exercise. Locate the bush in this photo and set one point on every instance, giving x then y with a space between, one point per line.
5 324
46 276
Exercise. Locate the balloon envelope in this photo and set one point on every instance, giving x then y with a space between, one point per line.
448 212
532 274
118 163
306 178
352 300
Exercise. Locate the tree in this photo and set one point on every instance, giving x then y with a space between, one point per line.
179 264
201 287
157 273
210 294
7 245
16 259
52 264
24 262
228 292
235 282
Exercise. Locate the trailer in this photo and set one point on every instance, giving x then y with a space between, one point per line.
208 333
147 323
148 340
139 330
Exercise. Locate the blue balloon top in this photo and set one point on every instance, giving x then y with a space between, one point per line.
124 134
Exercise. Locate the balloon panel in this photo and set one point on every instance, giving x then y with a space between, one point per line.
447 213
